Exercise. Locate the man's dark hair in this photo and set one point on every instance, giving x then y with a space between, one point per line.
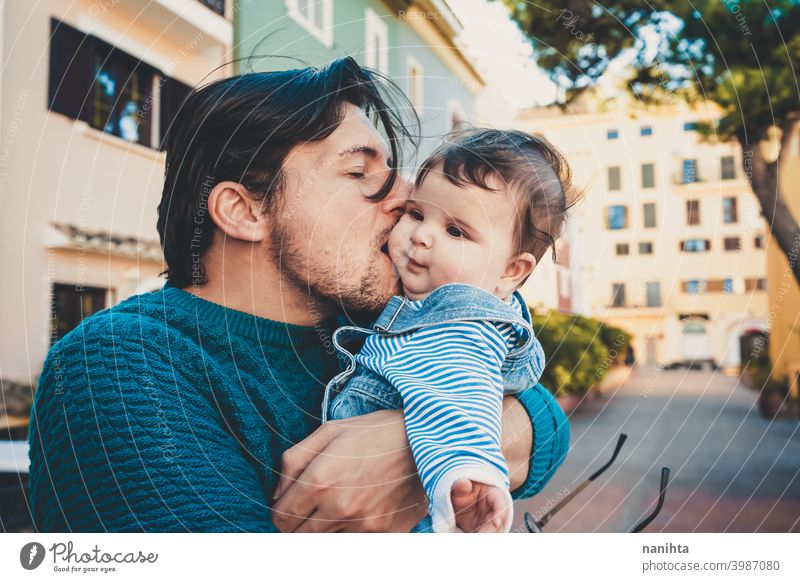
528 165
242 128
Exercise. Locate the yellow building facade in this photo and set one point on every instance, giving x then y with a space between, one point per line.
669 242
784 292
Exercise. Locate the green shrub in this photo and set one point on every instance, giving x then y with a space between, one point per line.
761 371
580 350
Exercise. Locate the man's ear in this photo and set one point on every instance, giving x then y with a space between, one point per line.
237 213
518 269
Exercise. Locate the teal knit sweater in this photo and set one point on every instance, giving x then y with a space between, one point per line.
170 413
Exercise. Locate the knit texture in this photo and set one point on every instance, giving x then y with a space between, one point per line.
168 413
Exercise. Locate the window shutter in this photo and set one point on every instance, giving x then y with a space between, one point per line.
70 82
173 94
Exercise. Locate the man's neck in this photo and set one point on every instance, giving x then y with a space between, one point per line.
268 295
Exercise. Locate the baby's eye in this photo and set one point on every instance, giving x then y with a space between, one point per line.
415 215
454 231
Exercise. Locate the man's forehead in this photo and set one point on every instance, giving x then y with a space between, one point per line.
356 136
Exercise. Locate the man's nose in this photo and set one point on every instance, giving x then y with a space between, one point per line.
395 201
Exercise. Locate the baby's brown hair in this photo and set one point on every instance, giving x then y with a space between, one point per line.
528 165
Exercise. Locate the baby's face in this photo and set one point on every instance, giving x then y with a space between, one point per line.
452 234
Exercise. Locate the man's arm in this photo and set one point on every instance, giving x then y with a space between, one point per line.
550 436
516 441
121 441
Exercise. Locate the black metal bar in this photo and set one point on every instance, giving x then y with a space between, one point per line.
622 438
536 526
661 494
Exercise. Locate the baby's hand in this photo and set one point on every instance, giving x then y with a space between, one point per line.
479 507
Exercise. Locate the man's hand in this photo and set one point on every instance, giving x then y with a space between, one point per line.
351 475
479 507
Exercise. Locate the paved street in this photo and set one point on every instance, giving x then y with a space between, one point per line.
732 471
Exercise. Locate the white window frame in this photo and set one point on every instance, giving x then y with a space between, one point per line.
324 34
418 99
376 57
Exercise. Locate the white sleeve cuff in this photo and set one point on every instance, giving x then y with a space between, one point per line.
442 513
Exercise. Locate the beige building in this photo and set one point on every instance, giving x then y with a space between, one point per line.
669 243
88 89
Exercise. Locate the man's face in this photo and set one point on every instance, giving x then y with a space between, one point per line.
328 237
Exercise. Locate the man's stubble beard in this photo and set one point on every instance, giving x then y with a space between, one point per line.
329 287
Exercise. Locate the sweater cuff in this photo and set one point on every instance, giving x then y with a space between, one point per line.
550 439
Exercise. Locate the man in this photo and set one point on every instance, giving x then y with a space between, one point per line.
190 409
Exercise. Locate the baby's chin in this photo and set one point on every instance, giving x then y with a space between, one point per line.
415 294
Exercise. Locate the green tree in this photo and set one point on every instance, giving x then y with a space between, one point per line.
740 54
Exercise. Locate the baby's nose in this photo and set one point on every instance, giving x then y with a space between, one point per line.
422 236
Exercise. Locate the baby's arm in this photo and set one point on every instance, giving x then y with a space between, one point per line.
450 380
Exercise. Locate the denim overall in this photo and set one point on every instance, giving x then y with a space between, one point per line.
356 390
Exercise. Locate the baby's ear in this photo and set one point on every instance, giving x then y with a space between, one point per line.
518 269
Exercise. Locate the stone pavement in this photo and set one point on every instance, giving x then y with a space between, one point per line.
731 470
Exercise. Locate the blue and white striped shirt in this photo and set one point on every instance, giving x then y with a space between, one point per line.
449 376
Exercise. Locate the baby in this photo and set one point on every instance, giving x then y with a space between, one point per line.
486 207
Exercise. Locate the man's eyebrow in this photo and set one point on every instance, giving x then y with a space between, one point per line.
367 150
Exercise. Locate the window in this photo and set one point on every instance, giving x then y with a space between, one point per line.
689 172
727 286
732 243
612 134
758 241
623 248
653 290
646 130
315 16
648 175
110 90
618 294
649 209
614 178
376 46
645 248
71 304
172 95
415 83
690 126
617 217
727 168
695 245
692 212
729 214
121 95
695 286
217 6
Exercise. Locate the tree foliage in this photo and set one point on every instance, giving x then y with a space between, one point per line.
739 54
580 350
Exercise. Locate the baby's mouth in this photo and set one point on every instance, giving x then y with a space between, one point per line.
415 265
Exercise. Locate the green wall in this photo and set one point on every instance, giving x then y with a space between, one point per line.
265 28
